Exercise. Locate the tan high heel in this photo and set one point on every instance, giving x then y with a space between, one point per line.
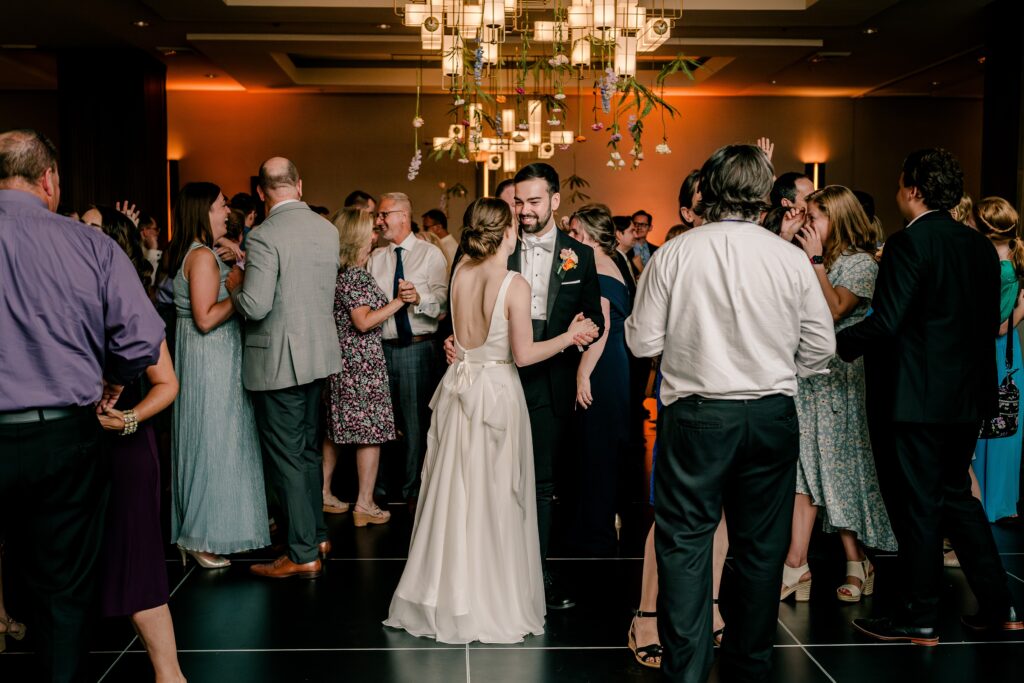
204 560
646 655
862 570
11 628
375 516
791 583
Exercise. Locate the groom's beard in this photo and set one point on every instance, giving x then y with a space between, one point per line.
532 223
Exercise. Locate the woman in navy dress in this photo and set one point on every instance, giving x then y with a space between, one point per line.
602 395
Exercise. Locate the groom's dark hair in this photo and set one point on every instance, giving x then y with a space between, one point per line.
542 171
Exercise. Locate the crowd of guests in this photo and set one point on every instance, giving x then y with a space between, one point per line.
271 342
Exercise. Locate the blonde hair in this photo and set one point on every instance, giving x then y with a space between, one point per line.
849 228
999 221
355 226
962 211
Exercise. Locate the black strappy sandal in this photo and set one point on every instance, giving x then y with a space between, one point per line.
648 655
716 635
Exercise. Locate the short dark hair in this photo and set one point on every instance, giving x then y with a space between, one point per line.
641 212
26 154
867 202
540 170
686 192
437 215
272 181
937 176
735 182
622 223
503 185
322 210
244 202
358 198
785 187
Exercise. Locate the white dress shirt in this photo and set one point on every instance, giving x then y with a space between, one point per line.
736 312
449 246
425 267
536 253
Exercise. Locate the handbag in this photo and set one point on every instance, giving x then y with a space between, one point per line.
1005 422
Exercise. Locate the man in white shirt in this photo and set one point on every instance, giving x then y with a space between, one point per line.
736 314
415 271
436 222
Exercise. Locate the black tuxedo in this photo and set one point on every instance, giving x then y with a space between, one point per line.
931 378
550 386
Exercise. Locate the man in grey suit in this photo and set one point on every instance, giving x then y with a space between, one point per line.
286 293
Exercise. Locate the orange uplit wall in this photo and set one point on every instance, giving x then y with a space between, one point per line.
344 142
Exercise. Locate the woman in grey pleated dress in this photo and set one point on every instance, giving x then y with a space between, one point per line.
836 475
218 498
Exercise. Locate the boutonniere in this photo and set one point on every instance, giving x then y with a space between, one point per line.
569 261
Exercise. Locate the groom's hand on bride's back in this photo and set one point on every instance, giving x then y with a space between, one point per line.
449 349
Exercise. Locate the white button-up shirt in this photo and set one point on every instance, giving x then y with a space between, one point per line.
424 266
736 312
536 253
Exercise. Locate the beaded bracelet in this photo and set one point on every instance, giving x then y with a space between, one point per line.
131 423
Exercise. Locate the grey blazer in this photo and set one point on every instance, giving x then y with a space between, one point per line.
288 300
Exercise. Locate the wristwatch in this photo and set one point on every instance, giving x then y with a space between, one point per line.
817 260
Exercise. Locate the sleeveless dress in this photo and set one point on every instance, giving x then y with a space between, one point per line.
474 570
218 501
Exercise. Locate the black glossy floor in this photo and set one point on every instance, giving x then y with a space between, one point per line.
233 627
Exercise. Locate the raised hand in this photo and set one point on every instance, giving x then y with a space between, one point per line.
766 146
792 222
131 212
810 240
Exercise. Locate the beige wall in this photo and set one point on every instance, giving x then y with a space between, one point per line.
344 142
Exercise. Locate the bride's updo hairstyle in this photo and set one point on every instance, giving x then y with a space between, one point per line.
483 227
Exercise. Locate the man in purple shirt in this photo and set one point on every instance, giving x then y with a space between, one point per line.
75 326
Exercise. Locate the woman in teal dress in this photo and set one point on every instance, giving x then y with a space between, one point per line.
997 461
217 494
836 475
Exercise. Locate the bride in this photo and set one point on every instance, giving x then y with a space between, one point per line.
474 571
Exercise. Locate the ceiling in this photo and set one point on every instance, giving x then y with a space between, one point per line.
814 48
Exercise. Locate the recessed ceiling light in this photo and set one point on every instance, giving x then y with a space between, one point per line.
140 24
169 52
774 82
870 31
383 27
982 59
936 83
211 75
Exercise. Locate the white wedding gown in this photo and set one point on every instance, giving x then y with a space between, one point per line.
474 571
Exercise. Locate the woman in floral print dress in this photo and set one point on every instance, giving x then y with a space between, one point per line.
836 475
358 399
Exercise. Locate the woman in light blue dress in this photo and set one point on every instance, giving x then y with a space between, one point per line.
997 461
217 493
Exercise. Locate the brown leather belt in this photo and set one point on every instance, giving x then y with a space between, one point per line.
416 339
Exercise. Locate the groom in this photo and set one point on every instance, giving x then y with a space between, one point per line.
563 280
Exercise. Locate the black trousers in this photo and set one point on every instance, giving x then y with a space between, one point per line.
54 483
287 420
740 456
548 434
922 472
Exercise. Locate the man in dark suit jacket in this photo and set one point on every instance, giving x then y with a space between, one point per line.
563 277
931 381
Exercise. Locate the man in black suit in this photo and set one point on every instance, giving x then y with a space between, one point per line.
563 279
933 380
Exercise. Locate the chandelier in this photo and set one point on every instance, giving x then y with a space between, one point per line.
490 48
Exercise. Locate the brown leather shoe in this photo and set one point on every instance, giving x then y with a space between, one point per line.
325 549
284 568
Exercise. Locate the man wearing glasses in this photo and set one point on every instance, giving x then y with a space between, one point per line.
641 226
416 272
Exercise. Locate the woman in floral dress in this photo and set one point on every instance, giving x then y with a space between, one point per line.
358 399
836 475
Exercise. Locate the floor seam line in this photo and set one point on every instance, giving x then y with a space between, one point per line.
806 651
1014 576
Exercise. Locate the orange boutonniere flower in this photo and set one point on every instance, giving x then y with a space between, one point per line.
569 261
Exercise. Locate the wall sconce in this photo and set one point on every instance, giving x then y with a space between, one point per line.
816 172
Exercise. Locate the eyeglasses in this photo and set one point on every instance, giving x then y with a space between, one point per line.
383 215
641 225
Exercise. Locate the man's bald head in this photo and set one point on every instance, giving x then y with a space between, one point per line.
279 180
28 162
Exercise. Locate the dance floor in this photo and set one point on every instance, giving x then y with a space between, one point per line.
234 627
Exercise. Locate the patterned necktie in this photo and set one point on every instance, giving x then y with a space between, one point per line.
402 317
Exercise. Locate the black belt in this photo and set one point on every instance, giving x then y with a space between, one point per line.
19 417
416 339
